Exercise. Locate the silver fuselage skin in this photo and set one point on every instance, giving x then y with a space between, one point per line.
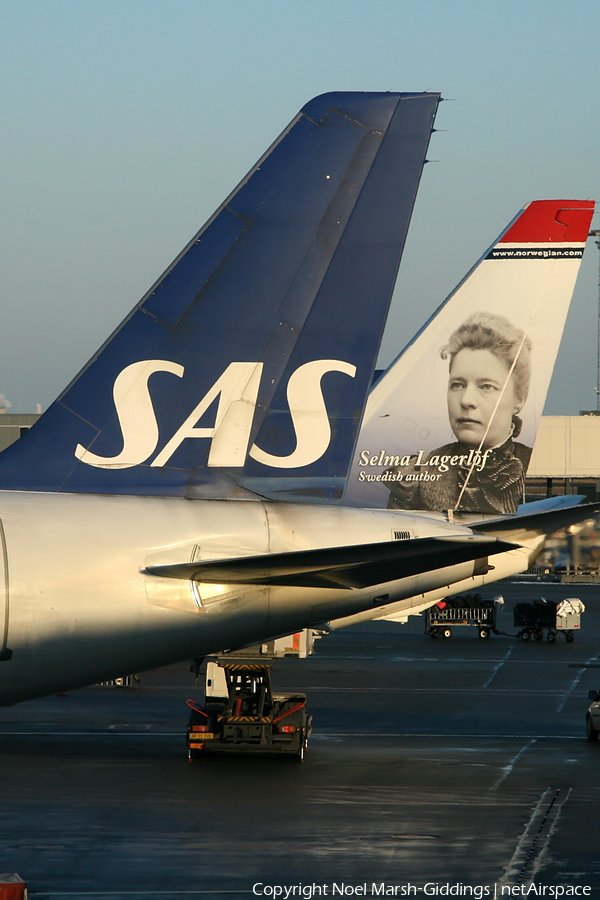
76 606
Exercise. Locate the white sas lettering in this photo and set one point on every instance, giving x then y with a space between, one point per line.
136 416
309 415
237 389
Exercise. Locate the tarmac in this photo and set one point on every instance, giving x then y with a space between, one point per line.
439 767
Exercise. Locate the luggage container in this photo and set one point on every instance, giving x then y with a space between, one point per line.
557 617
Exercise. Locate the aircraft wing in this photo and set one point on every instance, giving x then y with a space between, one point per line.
348 567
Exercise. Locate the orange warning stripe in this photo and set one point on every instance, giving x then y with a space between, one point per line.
265 720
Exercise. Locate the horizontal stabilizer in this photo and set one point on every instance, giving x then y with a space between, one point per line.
356 566
562 501
539 522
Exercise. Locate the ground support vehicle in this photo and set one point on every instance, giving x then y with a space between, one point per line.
12 887
241 714
467 610
592 717
563 617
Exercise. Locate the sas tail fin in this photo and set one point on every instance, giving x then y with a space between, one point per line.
253 354
451 424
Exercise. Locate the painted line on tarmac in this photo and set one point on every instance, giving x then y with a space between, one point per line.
442 660
350 657
107 733
447 734
472 659
323 735
553 815
516 861
575 683
509 768
421 690
498 667
408 690
532 847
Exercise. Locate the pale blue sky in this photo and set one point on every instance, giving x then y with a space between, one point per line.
126 122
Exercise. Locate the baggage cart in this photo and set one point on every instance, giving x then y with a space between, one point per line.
470 610
557 617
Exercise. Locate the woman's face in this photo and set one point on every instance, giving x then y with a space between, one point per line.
477 378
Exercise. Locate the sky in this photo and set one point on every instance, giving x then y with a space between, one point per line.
127 122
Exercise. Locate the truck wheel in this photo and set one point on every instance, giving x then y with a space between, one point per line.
569 636
433 633
525 635
551 637
446 632
592 734
484 633
539 634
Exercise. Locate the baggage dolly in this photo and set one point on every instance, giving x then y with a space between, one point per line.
562 617
468 610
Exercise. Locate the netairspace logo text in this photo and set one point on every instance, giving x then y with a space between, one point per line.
430 889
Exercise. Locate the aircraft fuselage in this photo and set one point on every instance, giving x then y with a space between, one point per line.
77 607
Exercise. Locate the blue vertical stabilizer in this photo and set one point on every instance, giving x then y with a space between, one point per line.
246 366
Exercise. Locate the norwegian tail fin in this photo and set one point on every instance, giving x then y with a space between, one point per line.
451 424
250 359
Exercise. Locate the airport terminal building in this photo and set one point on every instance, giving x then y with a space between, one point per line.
566 457
14 425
